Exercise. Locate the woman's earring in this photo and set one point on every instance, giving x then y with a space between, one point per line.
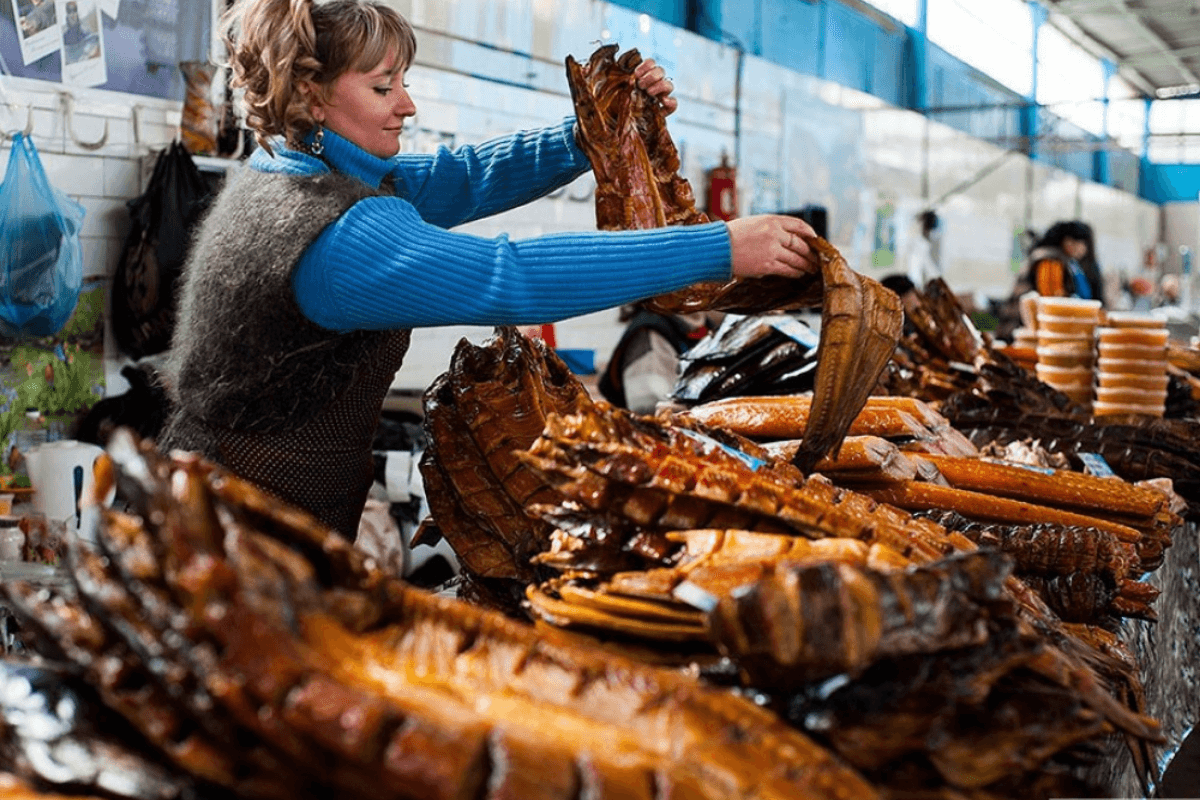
318 143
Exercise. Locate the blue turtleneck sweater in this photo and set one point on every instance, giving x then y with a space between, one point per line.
391 261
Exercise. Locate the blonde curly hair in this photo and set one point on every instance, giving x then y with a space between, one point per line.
279 51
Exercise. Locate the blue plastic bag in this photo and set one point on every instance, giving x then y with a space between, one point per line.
39 237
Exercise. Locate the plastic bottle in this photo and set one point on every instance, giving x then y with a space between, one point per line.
28 436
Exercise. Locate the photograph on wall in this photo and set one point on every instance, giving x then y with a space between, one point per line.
82 43
37 28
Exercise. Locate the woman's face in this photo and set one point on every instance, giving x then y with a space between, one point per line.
1075 248
368 108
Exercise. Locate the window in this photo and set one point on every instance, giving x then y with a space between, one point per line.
1175 132
995 37
1070 81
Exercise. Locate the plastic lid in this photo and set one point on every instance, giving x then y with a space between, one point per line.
1130 319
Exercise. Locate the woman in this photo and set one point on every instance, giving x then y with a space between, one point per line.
317 259
1056 261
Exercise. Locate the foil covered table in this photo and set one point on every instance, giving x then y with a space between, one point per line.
1168 652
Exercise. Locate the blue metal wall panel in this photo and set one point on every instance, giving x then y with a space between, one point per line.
738 21
891 72
849 47
1171 183
670 11
790 34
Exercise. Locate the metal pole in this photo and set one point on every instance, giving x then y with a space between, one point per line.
921 87
1031 117
1101 163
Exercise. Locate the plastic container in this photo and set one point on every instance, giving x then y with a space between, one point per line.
1067 307
1137 352
1129 319
1079 326
1027 308
1060 377
1124 395
1065 360
1131 366
1108 409
1146 337
1025 337
1054 337
1067 349
1112 380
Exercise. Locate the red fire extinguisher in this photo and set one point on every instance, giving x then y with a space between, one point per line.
722 191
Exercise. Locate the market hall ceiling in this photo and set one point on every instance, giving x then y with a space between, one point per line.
1155 43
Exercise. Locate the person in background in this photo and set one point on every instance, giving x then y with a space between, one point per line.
1054 267
1140 291
318 257
924 256
644 365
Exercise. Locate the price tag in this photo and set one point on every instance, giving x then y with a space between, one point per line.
747 459
796 330
1094 464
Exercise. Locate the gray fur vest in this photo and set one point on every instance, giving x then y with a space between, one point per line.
256 386
244 357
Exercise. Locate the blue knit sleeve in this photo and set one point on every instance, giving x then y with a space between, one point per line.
381 266
449 188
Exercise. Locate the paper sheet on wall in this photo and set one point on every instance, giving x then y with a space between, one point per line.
110 8
37 28
82 43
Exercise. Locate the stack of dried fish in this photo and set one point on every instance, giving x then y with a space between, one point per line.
1007 404
251 653
909 456
997 403
654 523
671 534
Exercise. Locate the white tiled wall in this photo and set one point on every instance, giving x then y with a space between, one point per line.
486 67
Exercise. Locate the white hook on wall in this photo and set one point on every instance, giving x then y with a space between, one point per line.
27 130
68 103
137 124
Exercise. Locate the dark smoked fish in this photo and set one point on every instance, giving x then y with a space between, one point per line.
623 130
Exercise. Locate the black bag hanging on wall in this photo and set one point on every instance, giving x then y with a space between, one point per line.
162 218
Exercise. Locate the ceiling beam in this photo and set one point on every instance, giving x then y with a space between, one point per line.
1074 8
1071 9
1156 58
1070 29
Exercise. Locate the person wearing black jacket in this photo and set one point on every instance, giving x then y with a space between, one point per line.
645 363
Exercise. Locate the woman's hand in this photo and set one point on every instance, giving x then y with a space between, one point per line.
771 244
653 79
